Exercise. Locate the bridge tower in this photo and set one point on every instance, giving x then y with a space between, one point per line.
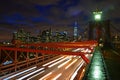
99 29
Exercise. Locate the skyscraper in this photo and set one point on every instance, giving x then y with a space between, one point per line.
75 30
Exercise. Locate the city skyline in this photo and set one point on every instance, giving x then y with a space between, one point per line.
34 15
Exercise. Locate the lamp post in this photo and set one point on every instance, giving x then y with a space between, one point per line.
97 15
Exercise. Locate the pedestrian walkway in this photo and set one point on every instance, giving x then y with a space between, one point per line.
97 69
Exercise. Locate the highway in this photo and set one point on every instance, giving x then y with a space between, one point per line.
63 68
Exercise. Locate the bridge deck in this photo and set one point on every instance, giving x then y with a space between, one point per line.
15 57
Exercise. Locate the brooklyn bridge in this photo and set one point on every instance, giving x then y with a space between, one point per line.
74 59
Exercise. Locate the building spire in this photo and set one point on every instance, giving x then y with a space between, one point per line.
75 30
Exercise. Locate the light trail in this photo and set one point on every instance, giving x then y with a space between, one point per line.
86 55
55 78
75 73
86 50
30 74
82 74
57 62
35 75
76 50
70 64
45 76
52 61
64 63
20 73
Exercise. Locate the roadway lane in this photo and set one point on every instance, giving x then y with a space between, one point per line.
63 72
21 73
51 68
68 72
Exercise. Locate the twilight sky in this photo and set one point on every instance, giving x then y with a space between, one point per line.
37 15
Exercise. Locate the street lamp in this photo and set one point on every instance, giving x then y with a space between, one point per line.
97 15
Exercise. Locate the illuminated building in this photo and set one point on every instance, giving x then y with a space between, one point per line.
45 36
75 31
21 36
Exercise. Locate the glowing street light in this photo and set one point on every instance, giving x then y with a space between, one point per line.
97 15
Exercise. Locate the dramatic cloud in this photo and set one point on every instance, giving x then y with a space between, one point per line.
34 15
